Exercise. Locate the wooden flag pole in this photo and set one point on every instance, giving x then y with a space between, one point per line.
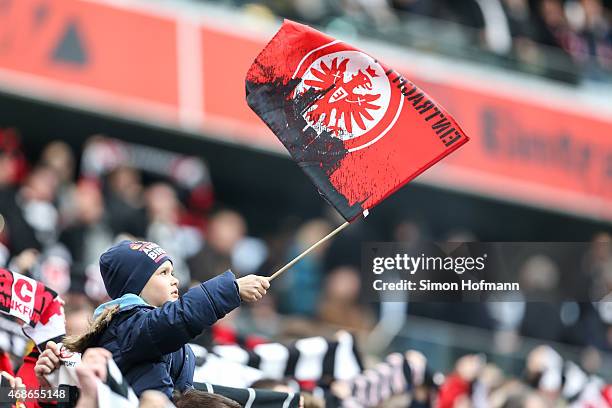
306 252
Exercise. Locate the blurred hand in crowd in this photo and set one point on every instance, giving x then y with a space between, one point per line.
418 363
93 367
26 259
14 382
470 366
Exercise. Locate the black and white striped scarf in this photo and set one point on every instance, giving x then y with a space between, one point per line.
115 392
394 376
309 359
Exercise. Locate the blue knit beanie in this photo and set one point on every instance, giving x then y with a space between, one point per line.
127 266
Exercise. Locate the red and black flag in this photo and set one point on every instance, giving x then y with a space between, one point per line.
358 129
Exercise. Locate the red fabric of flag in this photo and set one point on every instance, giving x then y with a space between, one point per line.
357 128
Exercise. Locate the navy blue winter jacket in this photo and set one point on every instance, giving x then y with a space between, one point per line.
150 344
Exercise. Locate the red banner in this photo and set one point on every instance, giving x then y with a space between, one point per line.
90 52
530 152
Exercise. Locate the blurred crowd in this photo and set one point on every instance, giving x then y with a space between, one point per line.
562 39
399 380
61 210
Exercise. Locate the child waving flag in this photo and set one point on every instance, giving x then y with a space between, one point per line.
147 325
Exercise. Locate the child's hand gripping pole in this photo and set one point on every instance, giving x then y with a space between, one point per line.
252 287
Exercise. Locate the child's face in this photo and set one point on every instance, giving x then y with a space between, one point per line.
162 287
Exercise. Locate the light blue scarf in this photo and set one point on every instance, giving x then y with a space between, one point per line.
124 301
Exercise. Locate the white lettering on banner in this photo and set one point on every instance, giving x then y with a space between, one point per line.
22 302
23 289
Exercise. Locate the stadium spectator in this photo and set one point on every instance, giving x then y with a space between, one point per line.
89 234
225 230
307 276
78 311
164 212
124 194
340 303
30 213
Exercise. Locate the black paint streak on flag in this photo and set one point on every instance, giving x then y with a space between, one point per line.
317 154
